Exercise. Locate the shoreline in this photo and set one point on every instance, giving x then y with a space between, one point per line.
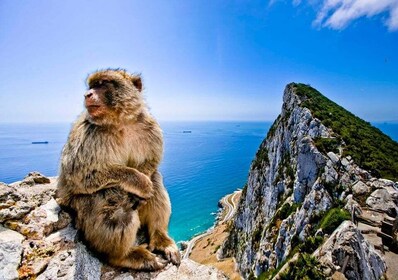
204 248
224 203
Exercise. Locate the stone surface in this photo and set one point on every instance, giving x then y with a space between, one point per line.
37 241
34 178
10 253
360 188
382 200
76 263
335 159
348 252
188 270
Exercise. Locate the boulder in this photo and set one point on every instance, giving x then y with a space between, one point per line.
360 188
382 200
10 253
347 252
34 178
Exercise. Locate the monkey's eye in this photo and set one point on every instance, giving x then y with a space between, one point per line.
97 84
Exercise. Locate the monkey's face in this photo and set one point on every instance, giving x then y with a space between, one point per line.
96 102
112 96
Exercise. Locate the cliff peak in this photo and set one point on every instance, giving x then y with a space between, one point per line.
319 166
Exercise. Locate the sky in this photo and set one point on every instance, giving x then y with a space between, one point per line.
200 60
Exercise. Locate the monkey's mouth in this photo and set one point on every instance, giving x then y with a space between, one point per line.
93 109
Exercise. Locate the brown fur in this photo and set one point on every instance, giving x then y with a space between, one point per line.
109 175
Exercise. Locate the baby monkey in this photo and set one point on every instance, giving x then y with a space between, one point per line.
109 174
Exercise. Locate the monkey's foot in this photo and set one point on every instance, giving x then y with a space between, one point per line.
165 245
140 258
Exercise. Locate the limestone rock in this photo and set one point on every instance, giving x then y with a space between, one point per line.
352 206
360 188
34 178
18 199
382 200
188 270
10 253
348 252
76 264
335 159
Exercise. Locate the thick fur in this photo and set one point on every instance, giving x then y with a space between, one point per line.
109 175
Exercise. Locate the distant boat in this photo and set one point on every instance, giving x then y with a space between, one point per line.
187 131
40 142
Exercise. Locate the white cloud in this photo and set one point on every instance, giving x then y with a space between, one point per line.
338 14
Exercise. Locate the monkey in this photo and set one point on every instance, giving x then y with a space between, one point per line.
109 174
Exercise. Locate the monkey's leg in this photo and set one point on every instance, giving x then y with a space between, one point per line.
139 258
110 227
155 214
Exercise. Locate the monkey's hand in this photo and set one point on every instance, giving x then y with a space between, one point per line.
139 184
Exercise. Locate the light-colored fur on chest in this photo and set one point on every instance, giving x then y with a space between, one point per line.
137 146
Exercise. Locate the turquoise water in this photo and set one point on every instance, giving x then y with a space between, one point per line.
198 167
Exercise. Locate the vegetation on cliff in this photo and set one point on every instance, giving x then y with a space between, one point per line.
367 145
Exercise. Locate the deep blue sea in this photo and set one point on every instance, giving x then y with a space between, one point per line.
198 167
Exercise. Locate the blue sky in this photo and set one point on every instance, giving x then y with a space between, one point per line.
200 60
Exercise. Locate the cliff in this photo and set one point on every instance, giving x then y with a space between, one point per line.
318 167
37 241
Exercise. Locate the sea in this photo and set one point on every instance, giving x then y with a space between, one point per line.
203 161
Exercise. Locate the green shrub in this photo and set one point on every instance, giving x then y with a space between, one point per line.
311 244
272 129
332 219
305 268
288 209
326 145
261 157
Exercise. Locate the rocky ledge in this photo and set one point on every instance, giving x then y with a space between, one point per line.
38 241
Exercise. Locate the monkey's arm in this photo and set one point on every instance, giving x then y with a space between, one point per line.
129 179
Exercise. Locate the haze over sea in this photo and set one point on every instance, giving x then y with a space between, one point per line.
208 161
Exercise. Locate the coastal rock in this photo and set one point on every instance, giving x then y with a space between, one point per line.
348 252
19 199
34 178
10 253
76 263
38 241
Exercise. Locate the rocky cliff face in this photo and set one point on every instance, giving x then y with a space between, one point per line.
299 191
37 241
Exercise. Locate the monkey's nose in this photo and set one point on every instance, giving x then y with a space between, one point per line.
88 94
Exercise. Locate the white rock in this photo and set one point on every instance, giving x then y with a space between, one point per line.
347 248
73 264
345 162
360 188
10 253
382 200
52 210
334 158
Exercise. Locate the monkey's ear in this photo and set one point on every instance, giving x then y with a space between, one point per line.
137 82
